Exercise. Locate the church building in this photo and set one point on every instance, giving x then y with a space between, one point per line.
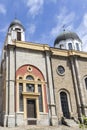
40 84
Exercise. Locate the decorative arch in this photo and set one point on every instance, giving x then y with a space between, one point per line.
64 90
31 87
30 69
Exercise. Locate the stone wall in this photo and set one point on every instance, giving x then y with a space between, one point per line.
31 57
64 83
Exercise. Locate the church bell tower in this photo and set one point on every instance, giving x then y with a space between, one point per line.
16 31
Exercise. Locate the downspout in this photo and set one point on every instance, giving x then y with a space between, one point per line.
49 101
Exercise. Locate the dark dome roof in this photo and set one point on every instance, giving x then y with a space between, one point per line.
66 35
16 22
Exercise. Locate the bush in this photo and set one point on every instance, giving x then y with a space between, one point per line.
84 122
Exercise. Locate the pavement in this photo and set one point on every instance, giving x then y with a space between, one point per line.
32 127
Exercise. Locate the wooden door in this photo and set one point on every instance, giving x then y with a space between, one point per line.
31 107
64 104
31 111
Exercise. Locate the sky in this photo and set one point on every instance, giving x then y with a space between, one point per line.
44 19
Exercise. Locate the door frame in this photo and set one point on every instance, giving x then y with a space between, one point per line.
35 97
66 112
69 102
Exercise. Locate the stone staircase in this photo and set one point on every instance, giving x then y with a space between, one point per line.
71 122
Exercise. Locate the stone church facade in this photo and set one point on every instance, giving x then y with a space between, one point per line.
40 84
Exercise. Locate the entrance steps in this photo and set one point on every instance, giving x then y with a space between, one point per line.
70 122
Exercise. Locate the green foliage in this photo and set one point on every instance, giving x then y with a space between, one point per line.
81 125
84 122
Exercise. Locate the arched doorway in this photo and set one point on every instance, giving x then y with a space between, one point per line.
64 104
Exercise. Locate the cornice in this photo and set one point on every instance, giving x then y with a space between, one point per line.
46 47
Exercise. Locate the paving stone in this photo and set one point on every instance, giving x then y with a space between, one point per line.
32 127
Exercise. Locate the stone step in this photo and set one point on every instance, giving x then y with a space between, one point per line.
71 122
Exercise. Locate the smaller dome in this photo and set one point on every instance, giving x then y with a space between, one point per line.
67 35
16 22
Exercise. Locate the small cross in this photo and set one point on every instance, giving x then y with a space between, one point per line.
64 27
15 15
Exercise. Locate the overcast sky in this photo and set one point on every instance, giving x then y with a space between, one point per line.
44 19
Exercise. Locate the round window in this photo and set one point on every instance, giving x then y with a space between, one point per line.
29 68
60 70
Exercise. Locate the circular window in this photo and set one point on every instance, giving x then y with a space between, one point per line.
29 68
60 70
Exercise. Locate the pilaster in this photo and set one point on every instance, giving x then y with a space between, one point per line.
52 110
10 89
78 102
80 86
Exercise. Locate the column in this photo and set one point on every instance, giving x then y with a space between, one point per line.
78 102
5 110
52 110
11 88
80 86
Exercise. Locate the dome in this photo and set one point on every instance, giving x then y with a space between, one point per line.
67 35
16 22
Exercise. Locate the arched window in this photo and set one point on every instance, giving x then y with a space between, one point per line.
70 46
64 104
18 34
29 77
86 82
39 79
20 97
20 77
61 46
40 98
77 47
